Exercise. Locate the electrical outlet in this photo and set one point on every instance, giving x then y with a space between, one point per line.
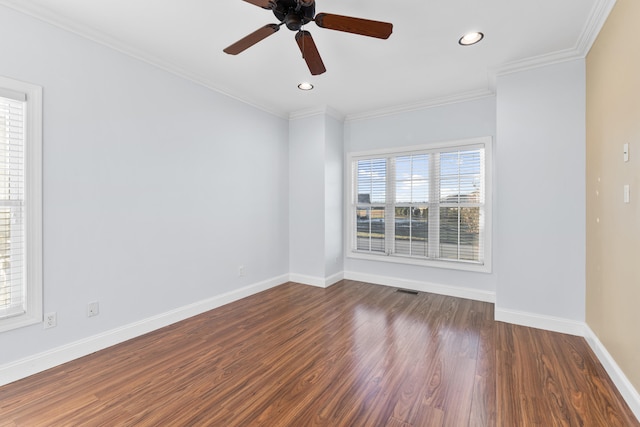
93 309
50 320
241 271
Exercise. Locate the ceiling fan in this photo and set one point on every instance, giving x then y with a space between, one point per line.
295 14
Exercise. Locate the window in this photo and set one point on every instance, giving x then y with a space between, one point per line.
423 205
20 204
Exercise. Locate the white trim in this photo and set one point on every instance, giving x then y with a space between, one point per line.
318 282
572 327
422 105
597 19
426 147
540 321
424 262
536 62
12 94
486 142
626 389
86 32
312 112
33 199
588 36
332 280
434 288
307 280
39 362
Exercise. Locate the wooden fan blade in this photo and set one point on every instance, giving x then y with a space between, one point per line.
253 38
265 4
310 53
364 27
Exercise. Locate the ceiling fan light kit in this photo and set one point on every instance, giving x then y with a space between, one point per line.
294 14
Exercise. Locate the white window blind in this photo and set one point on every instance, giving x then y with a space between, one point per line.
13 290
421 205
20 204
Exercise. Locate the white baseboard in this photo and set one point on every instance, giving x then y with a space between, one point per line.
319 282
434 288
627 390
42 361
572 327
533 320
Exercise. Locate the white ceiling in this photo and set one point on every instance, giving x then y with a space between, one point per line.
420 64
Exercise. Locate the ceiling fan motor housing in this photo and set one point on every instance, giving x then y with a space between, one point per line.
294 14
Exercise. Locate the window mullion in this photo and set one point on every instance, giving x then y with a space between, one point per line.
434 205
353 222
390 219
458 223
411 201
459 226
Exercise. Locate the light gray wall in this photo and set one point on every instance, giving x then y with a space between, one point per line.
334 161
307 197
316 162
462 120
541 186
155 189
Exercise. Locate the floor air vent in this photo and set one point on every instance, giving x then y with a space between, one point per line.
407 291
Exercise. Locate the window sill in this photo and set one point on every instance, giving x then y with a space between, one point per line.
16 322
421 262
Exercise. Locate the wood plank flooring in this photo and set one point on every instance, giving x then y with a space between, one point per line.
352 355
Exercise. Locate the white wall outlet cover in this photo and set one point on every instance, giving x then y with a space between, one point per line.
93 309
50 320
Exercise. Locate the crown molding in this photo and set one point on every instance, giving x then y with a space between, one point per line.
319 111
89 33
596 21
421 105
531 63
597 18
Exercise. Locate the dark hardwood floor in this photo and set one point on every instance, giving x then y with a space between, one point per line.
352 355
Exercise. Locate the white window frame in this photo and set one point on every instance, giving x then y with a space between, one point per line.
32 273
350 203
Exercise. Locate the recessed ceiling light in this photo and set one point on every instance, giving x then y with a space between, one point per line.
305 86
470 38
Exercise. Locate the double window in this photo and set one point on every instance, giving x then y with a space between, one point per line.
424 205
20 204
